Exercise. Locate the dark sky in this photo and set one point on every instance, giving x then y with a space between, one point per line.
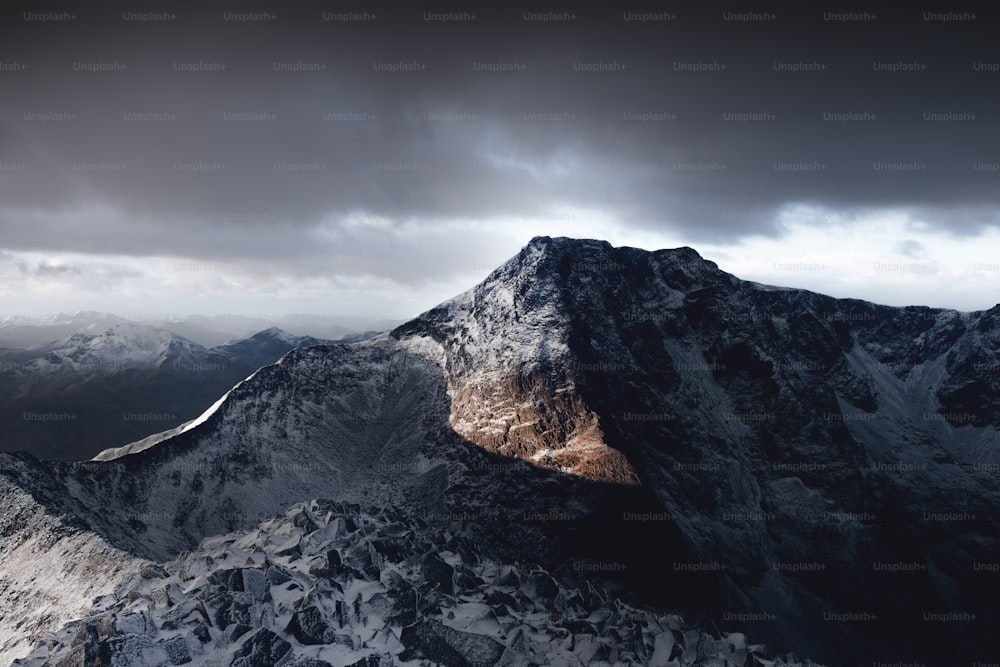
339 156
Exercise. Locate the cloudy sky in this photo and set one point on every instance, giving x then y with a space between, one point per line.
265 158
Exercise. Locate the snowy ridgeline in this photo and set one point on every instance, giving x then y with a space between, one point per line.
329 584
128 345
771 426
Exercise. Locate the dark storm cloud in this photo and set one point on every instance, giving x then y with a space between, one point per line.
214 132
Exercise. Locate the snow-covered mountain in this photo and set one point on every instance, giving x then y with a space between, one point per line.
366 423
836 456
818 474
218 330
71 398
21 331
121 346
266 347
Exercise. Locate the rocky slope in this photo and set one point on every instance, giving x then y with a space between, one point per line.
330 584
365 423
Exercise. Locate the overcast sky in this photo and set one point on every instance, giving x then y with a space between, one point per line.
269 158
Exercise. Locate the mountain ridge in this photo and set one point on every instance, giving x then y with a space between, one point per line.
120 383
791 437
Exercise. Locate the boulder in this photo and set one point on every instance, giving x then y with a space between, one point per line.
262 648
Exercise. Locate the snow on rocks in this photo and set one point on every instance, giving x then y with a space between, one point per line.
368 589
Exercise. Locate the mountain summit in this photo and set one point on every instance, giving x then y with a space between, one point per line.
794 437
817 473
266 347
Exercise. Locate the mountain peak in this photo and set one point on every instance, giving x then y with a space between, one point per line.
127 340
266 346
274 333
569 243
565 242
683 252
595 254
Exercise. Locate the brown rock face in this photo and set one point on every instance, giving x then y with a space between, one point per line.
506 352
525 415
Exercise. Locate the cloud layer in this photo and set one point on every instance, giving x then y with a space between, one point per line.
395 144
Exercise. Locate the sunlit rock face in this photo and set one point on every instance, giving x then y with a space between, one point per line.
513 372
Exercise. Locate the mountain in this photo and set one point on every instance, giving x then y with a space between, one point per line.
208 331
267 346
217 330
71 398
834 455
816 473
19 331
334 327
368 423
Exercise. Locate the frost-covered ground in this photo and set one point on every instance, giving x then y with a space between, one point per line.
330 584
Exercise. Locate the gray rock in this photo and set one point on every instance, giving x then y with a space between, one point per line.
302 661
438 573
178 652
309 627
263 648
541 585
439 643
255 583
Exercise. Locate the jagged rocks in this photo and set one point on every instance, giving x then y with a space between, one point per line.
140 623
374 661
231 579
541 586
405 608
255 583
508 577
201 633
153 571
301 661
177 651
446 607
136 651
439 643
304 521
309 627
320 567
237 630
391 548
263 648
501 603
439 574
277 575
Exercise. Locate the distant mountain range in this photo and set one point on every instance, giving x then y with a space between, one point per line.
209 331
635 435
68 399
